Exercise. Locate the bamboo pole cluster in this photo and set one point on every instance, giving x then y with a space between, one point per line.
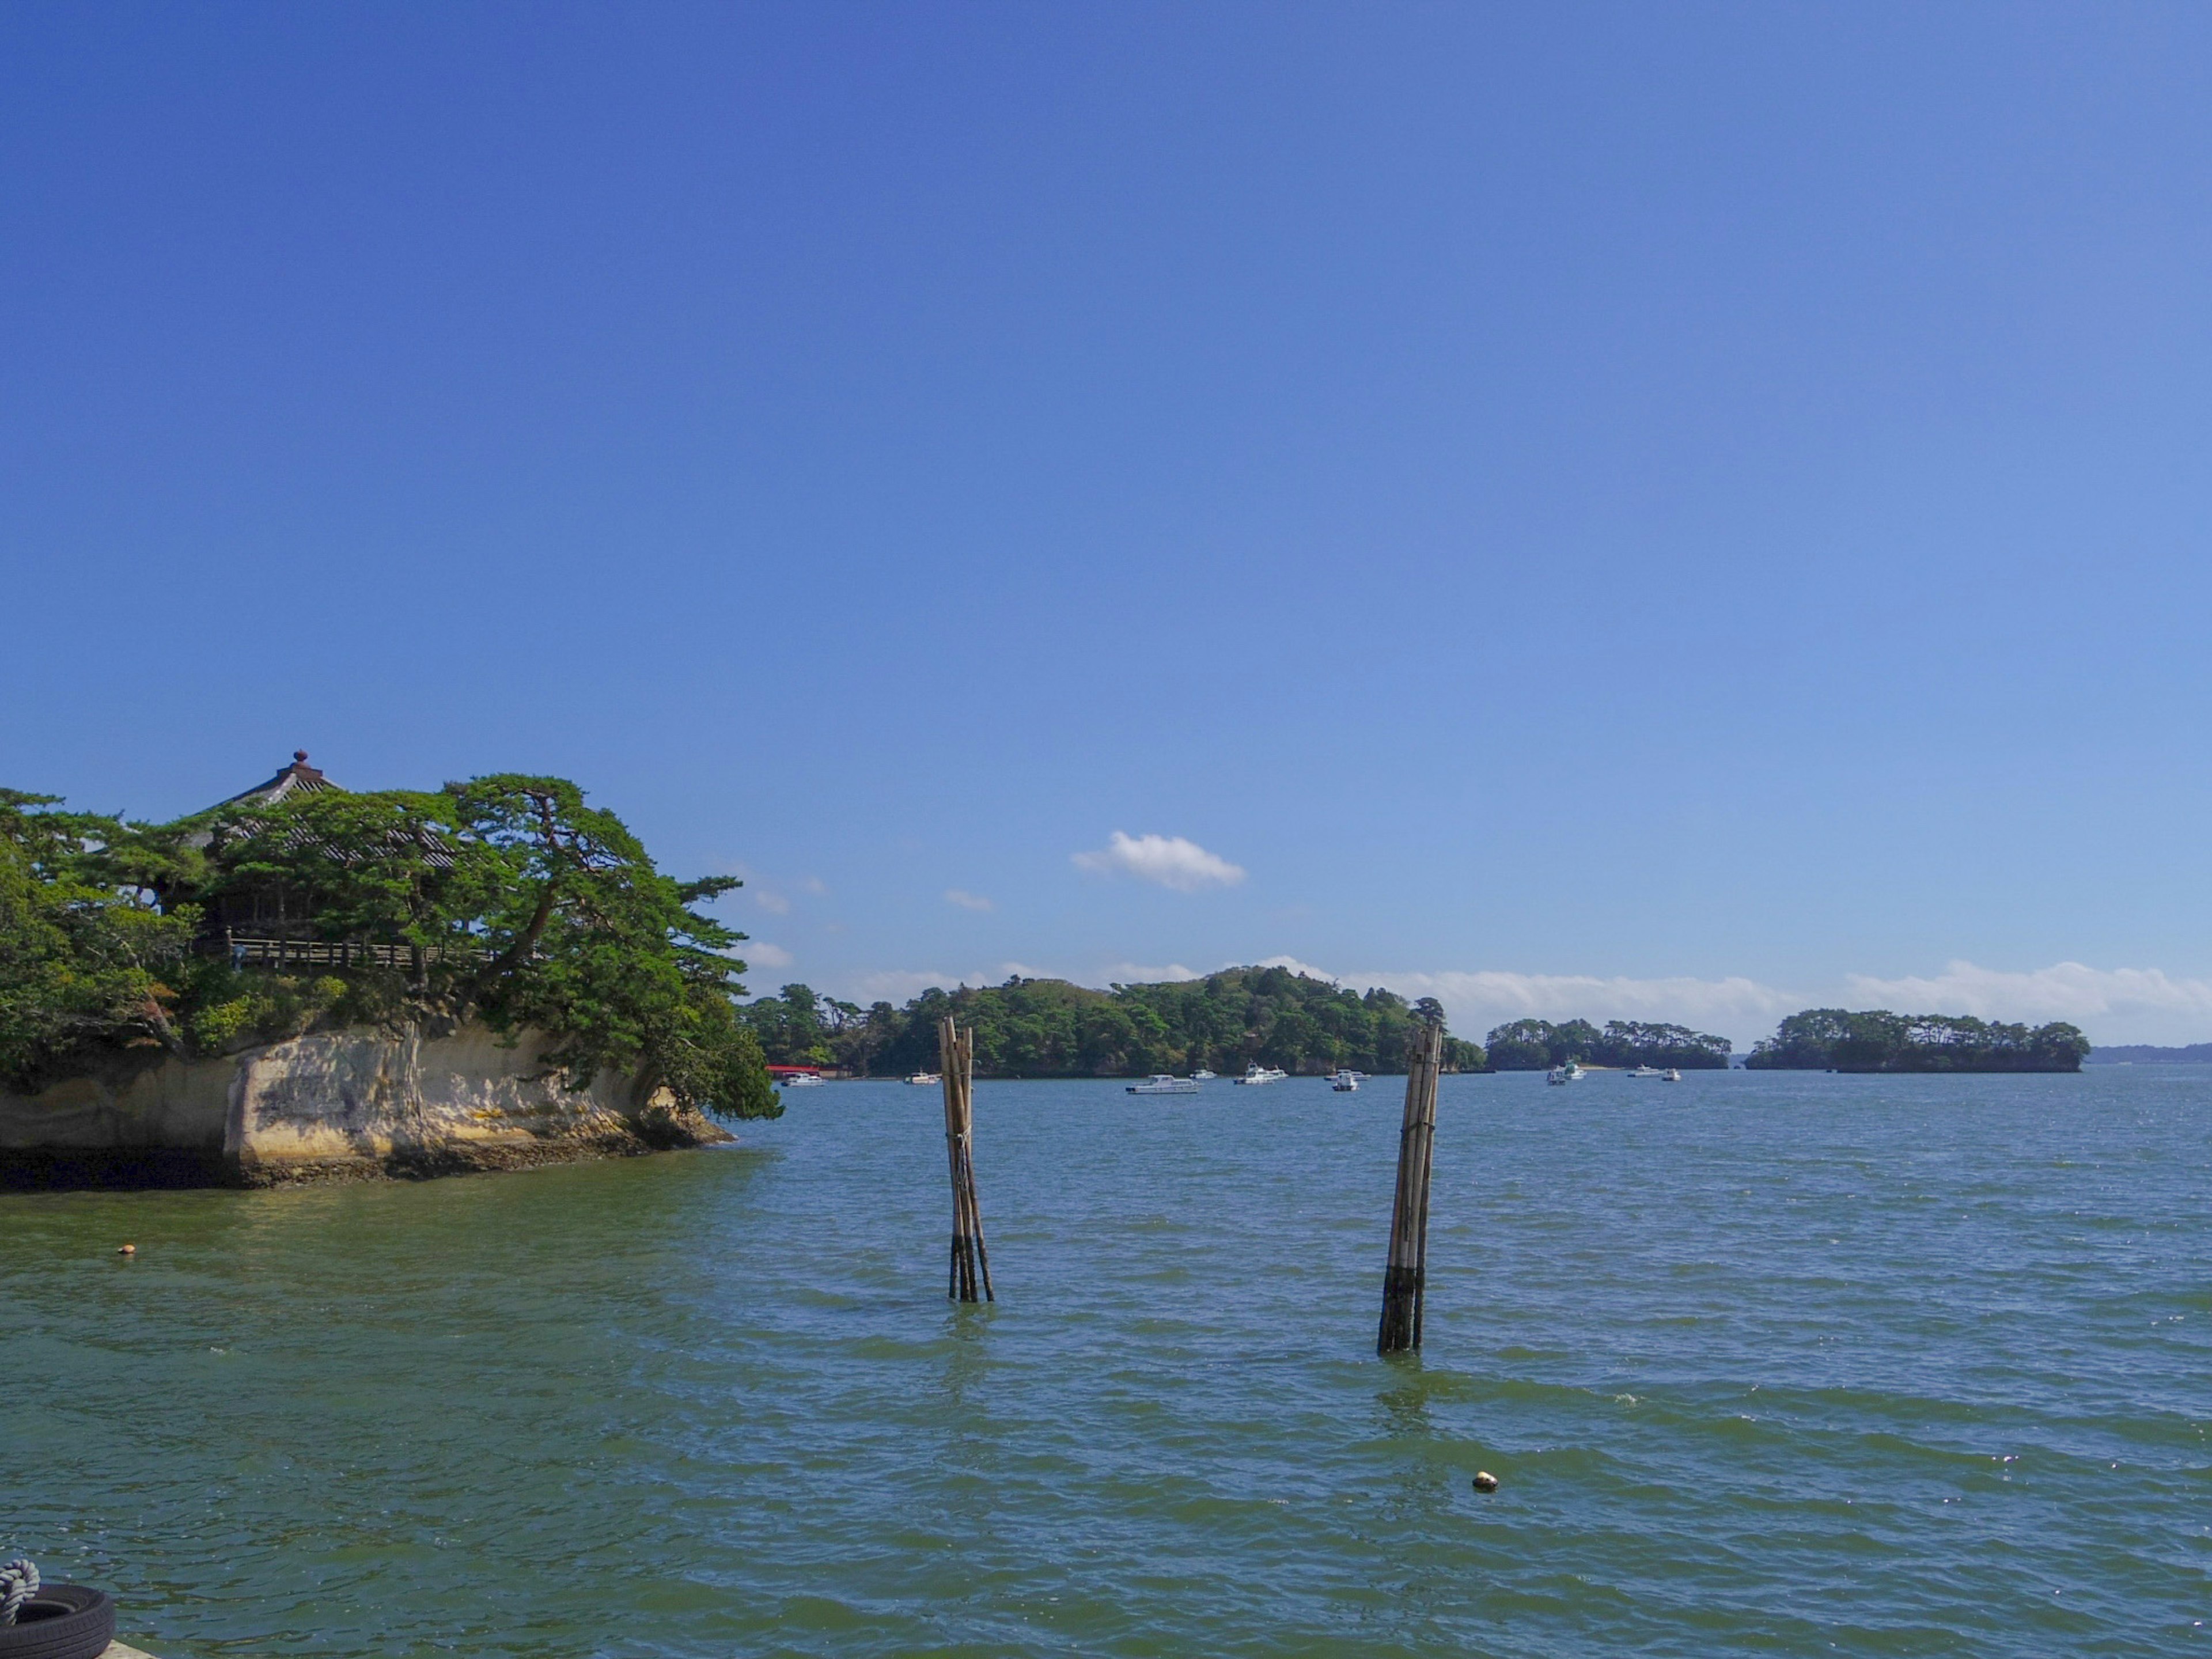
971 1261
1405 1278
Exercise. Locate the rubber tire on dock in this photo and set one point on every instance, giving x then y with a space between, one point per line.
62 1621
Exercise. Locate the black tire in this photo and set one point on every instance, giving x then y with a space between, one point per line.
61 1621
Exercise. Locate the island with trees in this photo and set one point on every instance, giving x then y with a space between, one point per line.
1875 1040
309 980
1537 1045
1049 1027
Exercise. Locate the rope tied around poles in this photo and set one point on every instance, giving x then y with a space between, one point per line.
19 1582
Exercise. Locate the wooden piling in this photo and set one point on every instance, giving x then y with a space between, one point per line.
1405 1278
971 1260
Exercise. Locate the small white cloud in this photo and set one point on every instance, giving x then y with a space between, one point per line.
759 953
774 902
967 901
1170 861
816 886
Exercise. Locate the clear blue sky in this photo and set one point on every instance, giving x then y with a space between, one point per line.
1660 494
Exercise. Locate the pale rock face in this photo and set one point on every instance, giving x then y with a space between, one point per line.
351 1102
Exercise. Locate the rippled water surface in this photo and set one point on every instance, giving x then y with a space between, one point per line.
1766 1365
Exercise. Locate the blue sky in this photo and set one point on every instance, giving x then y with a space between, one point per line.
1664 511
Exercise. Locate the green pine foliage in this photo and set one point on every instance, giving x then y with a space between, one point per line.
84 966
1836 1039
1049 1027
515 902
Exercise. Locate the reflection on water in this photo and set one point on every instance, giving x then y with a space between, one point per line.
1785 1364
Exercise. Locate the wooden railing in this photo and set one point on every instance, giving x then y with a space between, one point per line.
252 951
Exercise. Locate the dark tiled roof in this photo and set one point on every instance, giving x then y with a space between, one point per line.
298 777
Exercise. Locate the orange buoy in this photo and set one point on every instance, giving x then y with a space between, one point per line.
127 1249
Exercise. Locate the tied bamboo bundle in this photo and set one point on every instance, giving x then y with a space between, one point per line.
971 1261
1406 1278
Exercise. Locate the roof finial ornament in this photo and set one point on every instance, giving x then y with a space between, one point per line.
301 756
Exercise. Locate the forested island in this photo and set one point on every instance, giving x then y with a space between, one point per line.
1839 1040
506 903
1044 1028
1537 1045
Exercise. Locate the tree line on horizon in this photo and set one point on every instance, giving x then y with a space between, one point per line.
1875 1040
1048 1028
1537 1045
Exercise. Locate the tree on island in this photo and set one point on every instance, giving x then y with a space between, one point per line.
1050 1028
1537 1045
506 900
1839 1040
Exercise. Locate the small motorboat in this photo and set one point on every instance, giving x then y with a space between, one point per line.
1643 1070
1569 1073
1201 1075
802 1080
924 1079
1347 1081
1256 1073
1673 1076
1162 1083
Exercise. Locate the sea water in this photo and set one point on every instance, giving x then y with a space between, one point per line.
1764 1364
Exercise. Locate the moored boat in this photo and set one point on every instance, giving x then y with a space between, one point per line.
1673 1076
1162 1083
1256 1073
924 1079
1347 1081
1569 1073
1201 1075
1643 1070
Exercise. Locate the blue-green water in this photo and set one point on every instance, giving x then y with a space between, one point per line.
1766 1365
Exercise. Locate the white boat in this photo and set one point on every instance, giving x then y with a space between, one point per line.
802 1080
1569 1073
1347 1081
1161 1083
1201 1075
924 1079
1673 1076
1643 1070
1256 1073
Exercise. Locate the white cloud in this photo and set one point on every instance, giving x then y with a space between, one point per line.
967 901
2123 1004
759 953
774 902
1738 1008
1170 861
1293 964
1138 973
816 885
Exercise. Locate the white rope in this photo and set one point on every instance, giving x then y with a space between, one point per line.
19 1582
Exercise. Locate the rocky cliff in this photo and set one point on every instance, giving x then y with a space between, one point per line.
333 1105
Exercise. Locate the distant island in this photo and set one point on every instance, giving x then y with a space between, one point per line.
1047 1028
2145 1053
1537 1045
1839 1040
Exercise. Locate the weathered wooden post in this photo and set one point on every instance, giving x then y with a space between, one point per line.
1405 1279
955 1065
